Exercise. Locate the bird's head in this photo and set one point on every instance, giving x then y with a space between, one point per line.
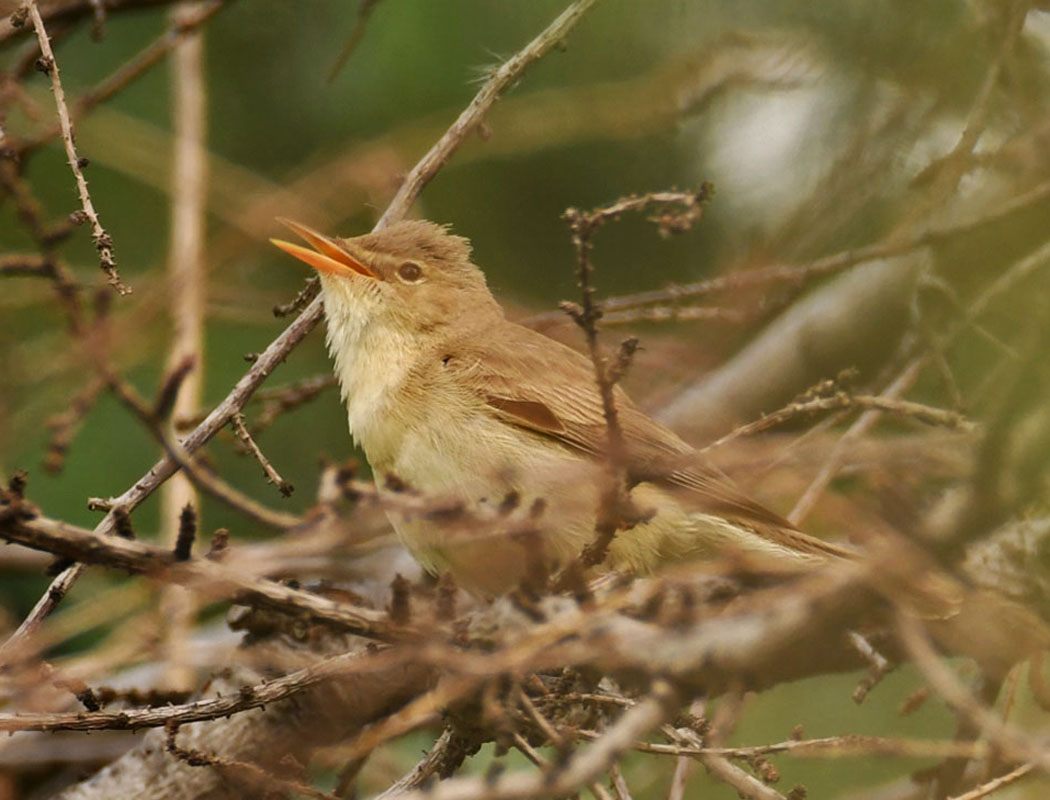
413 277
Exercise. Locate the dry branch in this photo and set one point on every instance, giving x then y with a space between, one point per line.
247 697
580 770
216 579
327 712
272 475
103 242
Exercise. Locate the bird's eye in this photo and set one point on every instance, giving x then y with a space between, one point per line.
410 272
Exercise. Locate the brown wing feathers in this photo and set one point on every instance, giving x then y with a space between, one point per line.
557 398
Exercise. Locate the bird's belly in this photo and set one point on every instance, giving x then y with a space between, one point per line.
507 482
507 503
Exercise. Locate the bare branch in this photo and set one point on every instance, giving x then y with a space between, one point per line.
215 578
274 477
579 771
103 242
255 696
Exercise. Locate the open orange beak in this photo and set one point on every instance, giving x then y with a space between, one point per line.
326 255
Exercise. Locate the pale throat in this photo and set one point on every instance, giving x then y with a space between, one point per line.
372 360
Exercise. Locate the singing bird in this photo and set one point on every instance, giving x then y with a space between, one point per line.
447 396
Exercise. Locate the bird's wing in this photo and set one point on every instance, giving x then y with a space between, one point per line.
540 385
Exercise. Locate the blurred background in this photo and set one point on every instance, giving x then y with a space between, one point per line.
822 126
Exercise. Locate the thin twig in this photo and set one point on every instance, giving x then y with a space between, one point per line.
799 274
830 747
929 415
675 212
272 475
282 399
201 477
103 242
880 667
864 423
56 592
213 577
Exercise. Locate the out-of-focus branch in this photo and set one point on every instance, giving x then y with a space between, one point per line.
864 423
1012 742
364 12
187 281
854 319
27 265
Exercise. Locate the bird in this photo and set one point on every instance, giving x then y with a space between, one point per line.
447 396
